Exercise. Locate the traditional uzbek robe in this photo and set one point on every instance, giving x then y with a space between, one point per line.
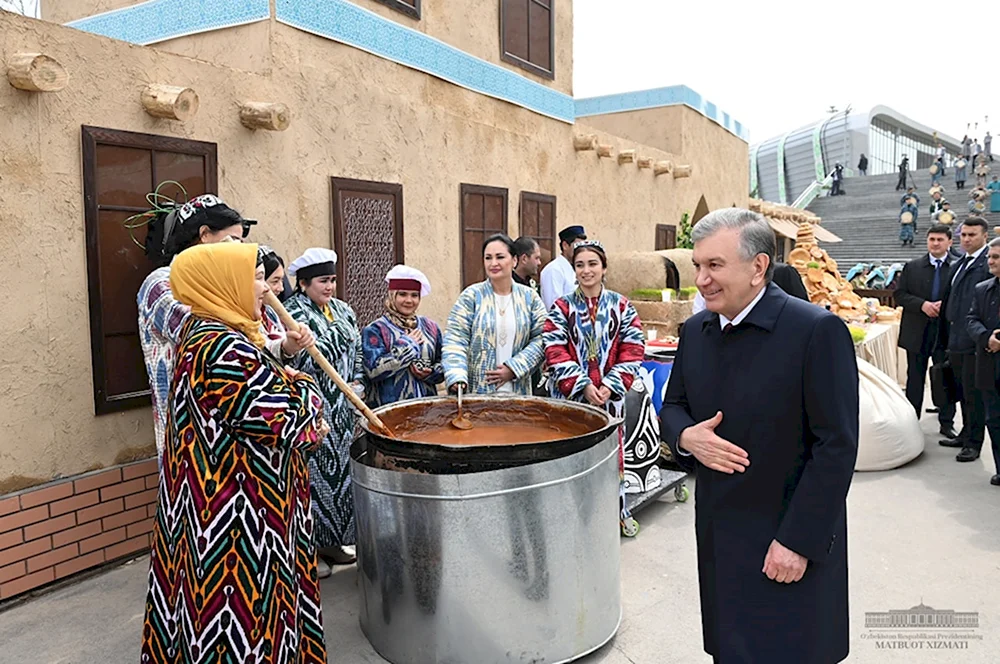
389 354
603 351
339 340
994 189
469 347
233 566
906 231
161 321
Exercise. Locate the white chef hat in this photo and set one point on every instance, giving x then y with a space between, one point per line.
404 277
315 262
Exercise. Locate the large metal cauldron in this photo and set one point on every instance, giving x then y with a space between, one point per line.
512 564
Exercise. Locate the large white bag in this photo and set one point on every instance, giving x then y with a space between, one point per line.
890 434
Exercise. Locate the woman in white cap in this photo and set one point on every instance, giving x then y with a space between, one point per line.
335 326
494 338
402 351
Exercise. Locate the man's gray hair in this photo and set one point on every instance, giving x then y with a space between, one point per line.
756 235
995 242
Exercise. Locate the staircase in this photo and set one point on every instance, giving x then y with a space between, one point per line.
866 217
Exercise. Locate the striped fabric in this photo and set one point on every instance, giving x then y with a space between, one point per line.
232 573
469 349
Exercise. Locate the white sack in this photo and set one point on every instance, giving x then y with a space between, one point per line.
890 434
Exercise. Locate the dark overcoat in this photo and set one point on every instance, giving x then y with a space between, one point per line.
786 381
983 319
958 302
913 289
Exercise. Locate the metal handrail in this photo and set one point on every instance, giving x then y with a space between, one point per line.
812 191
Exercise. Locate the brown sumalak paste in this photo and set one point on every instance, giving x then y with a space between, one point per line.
500 423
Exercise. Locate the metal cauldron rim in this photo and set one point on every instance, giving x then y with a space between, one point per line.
518 453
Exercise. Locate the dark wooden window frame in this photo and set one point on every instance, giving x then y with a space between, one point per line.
403 7
92 137
660 227
338 185
524 64
540 198
476 189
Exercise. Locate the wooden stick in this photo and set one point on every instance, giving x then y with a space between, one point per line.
36 72
167 101
605 150
645 162
663 167
291 325
626 157
683 171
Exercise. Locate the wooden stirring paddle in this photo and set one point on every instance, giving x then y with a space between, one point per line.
462 421
290 324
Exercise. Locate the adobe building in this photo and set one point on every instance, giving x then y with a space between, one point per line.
390 130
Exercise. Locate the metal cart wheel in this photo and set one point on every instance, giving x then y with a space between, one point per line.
681 493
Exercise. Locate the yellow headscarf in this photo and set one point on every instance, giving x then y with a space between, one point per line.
216 281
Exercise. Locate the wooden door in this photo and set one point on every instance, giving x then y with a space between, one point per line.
538 221
666 237
483 213
368 238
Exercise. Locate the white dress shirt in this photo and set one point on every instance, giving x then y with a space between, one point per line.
558 279
740 317
969 259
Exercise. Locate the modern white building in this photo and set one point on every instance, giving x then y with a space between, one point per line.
784 166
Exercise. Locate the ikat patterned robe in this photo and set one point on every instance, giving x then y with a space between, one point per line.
469 349
232 573
388 355
330 464
606 353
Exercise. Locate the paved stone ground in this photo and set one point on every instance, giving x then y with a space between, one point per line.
927 532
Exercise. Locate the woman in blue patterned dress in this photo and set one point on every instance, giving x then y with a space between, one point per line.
402 351
494 338
338 338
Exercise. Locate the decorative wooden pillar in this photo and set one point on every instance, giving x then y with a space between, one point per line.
36 72
167 101
265 115
626 157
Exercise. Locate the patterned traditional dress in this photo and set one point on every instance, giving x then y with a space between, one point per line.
233 566
388 355
906 231
469 348
161 321
595 341
330 466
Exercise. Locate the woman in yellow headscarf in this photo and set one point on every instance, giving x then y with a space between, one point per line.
233 567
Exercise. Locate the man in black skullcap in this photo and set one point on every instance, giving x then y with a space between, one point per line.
558 277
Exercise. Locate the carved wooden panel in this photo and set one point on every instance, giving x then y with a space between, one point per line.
368 239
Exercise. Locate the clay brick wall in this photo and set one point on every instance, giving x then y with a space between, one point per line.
58 529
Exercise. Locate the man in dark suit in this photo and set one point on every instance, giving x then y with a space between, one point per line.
919 291
984 328
762 405
966 273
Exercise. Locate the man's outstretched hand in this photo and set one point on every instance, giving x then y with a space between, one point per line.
711 450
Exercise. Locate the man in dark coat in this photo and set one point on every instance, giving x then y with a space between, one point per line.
762 405
904 167
984 327
966 273
919 291
788 279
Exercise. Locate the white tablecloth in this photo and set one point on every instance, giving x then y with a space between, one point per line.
880 350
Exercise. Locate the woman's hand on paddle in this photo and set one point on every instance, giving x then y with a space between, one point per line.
297 341
711 450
